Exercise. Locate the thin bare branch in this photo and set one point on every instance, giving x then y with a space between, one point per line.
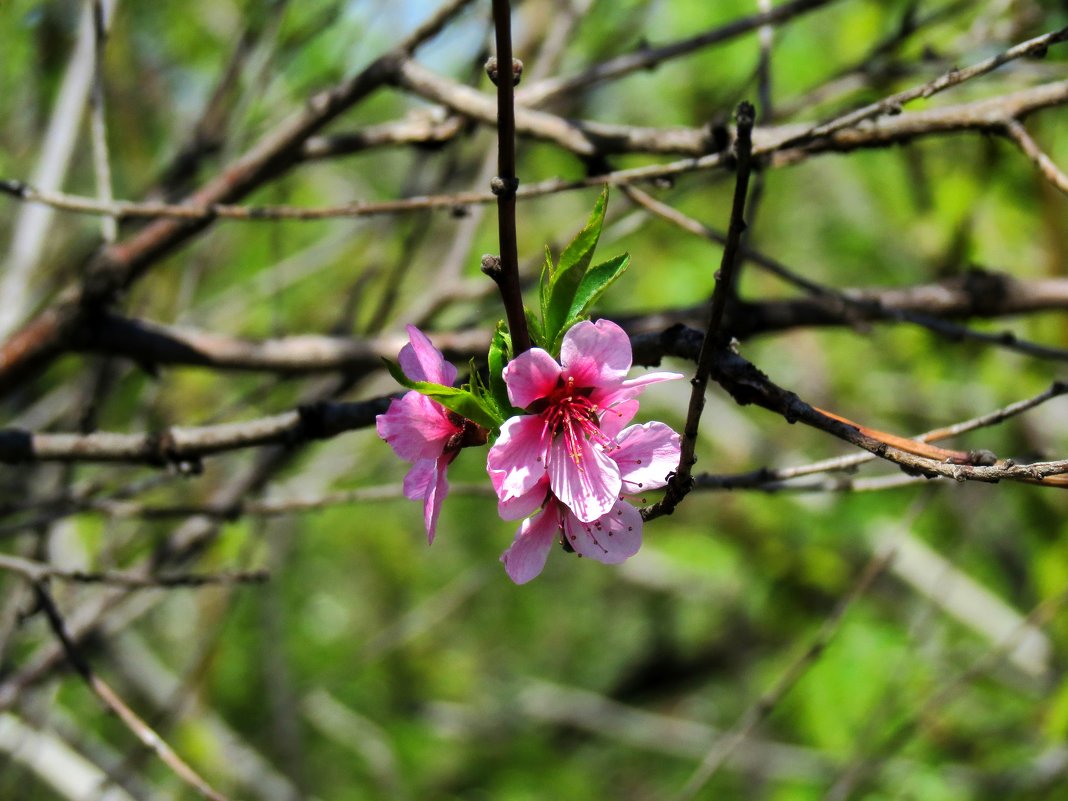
184 447
681 481
1050 171
39 571
648 57
112 701
988 116
893 104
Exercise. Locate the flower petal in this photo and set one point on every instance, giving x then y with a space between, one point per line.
516 462
421 476
518 507
615 418
587 483
629 389
611 539
596 354
427 480
525 558
530 376
415 427
646 454
434 496
421 361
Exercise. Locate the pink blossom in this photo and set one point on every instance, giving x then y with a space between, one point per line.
644 455
575 408
423 431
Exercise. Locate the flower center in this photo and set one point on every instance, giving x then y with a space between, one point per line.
571 414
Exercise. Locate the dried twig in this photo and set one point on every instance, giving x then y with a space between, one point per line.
681 482
1022 139
39 571
112 701
892 104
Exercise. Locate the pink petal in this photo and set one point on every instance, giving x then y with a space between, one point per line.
596 354
612 539
530 376
435 496
525 558
422 475
516 462
516 508
589 486
646 454
427 480
615 418
421 361
415 427
629 389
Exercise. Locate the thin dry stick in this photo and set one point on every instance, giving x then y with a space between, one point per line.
1022 139
141 730
648 57
776 143
39 571
726 745
892 104
183 447
855 305
758 478
748 385
681 482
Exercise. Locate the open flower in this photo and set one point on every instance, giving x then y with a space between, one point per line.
574 408
644 456
423 431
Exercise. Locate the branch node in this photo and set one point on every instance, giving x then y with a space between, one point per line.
491 266
493 71
503 186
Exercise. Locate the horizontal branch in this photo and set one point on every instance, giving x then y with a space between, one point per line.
777 479
39 571
185 446
153 344
745 383
893 104
987 116
748 385
975 294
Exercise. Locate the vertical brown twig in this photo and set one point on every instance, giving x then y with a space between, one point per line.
506 183
682 481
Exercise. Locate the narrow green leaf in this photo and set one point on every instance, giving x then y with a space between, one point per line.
547 273
574 262
596 280
536 330
457 399
500 353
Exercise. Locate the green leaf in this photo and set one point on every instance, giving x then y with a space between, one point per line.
537 332
572 268
500 353
547 273
593 285
596 280
456 399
